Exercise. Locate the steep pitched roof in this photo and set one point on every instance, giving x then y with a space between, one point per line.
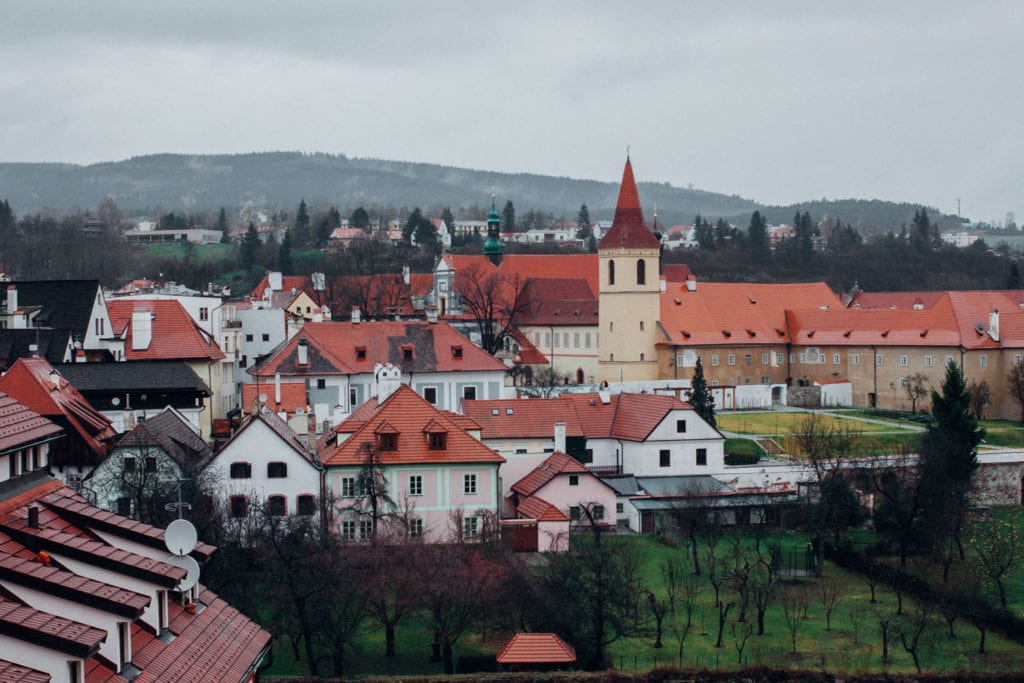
21 426
300 283
50 344
170 432
215 642
536 648
34 383
628 228
175 335
555 464
626 416
406 414
741 313
66 304
279 427
519 418
354 348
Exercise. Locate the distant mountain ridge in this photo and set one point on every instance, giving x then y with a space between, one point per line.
175 182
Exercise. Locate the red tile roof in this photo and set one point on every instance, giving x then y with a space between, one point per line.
175 335
534 417
628 228
280 428
334 349
536 648
539 509
539 266
904 301
49 630
676 272
934 326
557 463
406 413
293 396
15 673
21 426
557 301
740 313
32 383
300 283
379 297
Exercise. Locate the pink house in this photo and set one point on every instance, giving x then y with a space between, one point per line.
437 480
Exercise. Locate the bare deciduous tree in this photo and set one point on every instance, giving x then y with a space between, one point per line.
915 386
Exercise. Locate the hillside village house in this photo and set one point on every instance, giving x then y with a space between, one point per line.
145 462
337 360
91 595
441 481
163 330
267 463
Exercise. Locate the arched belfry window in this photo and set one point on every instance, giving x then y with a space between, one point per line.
611 272
641 272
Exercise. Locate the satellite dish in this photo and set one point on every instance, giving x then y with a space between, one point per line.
190 565
180 537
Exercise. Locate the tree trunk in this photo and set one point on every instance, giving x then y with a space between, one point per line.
449 664
1002 593
760 621
339 661
693 551
389 639
981 642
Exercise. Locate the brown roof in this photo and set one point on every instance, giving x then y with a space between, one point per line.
49 630
173 434
628 228
539 509
511 418
557 301
20 426
530 266
536 648
15 673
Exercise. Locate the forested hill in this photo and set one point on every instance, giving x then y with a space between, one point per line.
173 182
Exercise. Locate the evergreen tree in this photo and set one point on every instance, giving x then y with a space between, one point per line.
700 397
804 238
360 218
411 223
1013 280
248 248
923 235
704 233
508 217
949 451
301 234
222 226
583 229
284 254
757 239
449 219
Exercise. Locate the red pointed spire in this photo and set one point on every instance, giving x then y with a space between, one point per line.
628 229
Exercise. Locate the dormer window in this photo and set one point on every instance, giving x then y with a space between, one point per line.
406 350
438 441
360 353
456 352
387 442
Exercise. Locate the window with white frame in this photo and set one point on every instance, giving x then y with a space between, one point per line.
927 361
803 358
1016 359
764 359
586 339
792 357
765 379
746 359
835 359
780 358
470 527
855 359
348 487
732 359
365 529
903 381
348 530
415 484
597 512
879 359
904 361
714 359
983 360
469 484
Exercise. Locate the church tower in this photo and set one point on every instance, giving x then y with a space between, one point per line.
493 248
629 298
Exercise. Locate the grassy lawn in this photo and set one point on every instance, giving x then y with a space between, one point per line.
204 252
851 645
782 423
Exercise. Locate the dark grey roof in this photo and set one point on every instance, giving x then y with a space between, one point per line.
169 431
66 304
14 345
727 501
692 485
173 375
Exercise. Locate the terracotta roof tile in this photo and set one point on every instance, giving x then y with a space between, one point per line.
293 396
49 630
175 335
519 418
558 301
300 283
557 463
539 509
406 413
534 266
20 426
16 673
536 648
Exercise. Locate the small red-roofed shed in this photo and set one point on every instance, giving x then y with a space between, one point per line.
532 651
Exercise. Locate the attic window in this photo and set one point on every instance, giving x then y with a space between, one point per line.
438 441
387 442
751 333
678 302
752 300
360 353
847 333
924 333
810 335
509 411
726 333
781 333
456 352
495 411
685 333
406 352
886 333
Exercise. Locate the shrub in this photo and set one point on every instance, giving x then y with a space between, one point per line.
742 458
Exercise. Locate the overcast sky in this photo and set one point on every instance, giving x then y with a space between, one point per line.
775 101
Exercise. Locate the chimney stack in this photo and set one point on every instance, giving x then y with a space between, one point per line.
33 517
12 299
406 277
277 388
559 437
142 330
691 284
993 325
302 351
356 315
